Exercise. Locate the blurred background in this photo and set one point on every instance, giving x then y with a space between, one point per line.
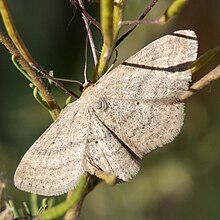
179 181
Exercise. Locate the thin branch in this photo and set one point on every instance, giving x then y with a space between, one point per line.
39 69
135 22
200 84
38 82
175 8
148 9
85 13
19 44
25 57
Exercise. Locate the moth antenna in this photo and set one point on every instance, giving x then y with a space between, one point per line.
39 69
65 80
86 82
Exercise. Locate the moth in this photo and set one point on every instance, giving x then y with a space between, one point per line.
127 113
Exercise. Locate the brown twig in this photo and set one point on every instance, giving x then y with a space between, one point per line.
148 9
137 22
76 4
39 69
200 84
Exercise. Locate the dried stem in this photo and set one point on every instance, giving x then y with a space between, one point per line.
175 8
200 84
39 69
78 5
132 22
148 9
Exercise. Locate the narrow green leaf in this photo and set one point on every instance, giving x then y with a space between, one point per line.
204 59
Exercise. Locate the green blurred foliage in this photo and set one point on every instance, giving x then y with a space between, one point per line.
179 181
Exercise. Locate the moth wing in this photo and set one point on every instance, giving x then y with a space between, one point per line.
156 71
139 100
105 152
134 109
53 164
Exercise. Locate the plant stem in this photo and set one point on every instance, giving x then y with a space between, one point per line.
38 82
12 31
74 212
77 4
147 10
74 202
34 204
200 84
110 23
25 58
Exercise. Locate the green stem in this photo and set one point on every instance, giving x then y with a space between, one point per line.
110 23
12 31
34 204
74 199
